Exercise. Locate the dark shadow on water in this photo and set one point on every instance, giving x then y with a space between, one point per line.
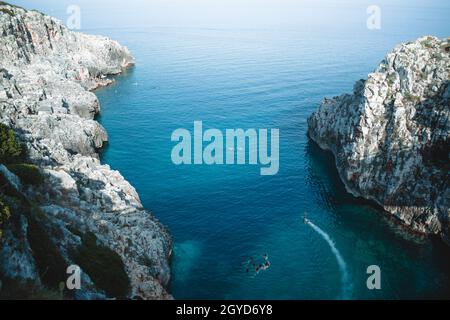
323 161
369 222
430 114
337 196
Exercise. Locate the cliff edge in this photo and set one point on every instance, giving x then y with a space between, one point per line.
391 136
76 210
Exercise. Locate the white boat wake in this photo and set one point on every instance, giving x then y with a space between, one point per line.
345 278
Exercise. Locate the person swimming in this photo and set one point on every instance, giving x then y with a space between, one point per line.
258 266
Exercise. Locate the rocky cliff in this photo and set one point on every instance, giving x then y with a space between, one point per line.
82 212
391 136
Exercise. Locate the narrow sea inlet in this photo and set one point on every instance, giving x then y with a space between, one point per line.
266 74
220 216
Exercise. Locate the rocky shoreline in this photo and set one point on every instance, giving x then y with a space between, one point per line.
81 207
391 136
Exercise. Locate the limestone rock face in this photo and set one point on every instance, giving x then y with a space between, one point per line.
391 136
46 74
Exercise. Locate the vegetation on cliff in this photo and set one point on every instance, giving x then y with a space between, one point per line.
104 266
10 149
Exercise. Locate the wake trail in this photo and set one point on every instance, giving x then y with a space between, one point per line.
345 278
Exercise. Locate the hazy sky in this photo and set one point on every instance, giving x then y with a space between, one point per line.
248 13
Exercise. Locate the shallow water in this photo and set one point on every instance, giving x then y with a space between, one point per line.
261 75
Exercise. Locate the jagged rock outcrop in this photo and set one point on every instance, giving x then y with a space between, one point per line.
391 137
46 74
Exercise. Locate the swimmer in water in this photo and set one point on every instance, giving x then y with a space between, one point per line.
257 267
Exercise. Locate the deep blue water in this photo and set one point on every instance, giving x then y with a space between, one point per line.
268 74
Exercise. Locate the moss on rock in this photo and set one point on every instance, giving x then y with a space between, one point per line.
10 149
28 173
5 214
51 265
103 265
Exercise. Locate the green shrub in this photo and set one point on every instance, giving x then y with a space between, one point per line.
14 289
428 42
5 213
10 149
410 97
51 265
104 267
28 173
391 78
7 11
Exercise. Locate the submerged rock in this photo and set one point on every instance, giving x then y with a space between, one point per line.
46 72
391 136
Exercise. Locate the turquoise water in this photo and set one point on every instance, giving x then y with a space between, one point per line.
269 72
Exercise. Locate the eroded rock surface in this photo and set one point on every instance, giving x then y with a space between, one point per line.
46 74
391 136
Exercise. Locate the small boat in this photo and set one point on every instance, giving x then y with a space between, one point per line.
305 219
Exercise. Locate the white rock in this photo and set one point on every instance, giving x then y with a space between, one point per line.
405 135
46 71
